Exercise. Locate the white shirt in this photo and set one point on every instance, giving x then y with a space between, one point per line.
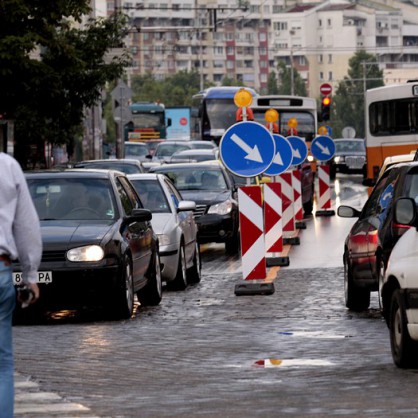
20 234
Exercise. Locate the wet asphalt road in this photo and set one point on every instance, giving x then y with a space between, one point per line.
200 353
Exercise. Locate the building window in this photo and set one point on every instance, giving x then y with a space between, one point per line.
263 78
320 59
320 23
329 58
302 61
230 65
330 75
263 37
321 75
329 23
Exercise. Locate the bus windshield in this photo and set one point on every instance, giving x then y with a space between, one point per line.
221 113
306 122
147 120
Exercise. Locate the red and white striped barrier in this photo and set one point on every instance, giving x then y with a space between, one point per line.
297 201
252 244
324 199
273 225
252 232
289 229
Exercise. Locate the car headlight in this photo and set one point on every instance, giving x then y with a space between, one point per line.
163 239
222 208
339 159
87 253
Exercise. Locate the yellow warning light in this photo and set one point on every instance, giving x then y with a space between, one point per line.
292 123
271 115
243 98
322 130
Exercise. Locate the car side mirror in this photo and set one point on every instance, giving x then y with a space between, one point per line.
348 212
137 215
186 205
405 211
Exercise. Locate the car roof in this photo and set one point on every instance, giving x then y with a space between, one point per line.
112 161
73 173
208 164
144 176
195 151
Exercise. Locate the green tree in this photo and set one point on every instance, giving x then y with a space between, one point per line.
176 90
51 69
272 84
347 108
285 77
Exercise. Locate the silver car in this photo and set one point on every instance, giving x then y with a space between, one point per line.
173 222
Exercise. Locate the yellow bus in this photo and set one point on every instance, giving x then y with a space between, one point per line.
391 118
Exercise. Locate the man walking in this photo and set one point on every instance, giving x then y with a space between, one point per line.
20 237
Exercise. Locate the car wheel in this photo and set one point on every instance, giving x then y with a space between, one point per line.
194 274
124 306
356 298
403 348
152 293
180 281
232 244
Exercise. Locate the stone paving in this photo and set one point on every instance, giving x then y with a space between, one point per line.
197 353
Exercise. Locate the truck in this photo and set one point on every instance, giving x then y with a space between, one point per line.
148 121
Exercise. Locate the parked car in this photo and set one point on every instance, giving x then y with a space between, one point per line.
99 247
194 155
372 237
136 151
174 224
399 292
125 165
166 149
215 194
349 157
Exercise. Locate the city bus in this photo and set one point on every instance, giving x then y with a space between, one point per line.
303 109
391 116
213 111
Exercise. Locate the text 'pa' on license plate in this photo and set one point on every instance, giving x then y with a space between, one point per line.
43 277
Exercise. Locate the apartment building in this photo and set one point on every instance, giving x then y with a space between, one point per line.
244 40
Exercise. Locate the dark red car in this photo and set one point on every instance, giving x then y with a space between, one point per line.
375 233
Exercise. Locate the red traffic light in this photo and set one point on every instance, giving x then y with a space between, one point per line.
326 101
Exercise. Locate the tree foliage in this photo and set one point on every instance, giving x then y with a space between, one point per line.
51 68
176 90
348 102
272 84
285 77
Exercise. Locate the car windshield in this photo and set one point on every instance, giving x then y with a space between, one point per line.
167 150
72 199
350 146
152 195
194 178
137 150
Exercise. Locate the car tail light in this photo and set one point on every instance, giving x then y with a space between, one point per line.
399 229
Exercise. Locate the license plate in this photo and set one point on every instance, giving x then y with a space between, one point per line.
43 277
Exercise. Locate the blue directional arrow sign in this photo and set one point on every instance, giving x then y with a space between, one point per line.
283 158
300 150
323 148
247 149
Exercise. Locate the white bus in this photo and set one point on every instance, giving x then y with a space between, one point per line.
391 117
303 109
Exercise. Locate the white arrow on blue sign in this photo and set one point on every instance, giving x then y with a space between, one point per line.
300 149
323 148
247 149
283 158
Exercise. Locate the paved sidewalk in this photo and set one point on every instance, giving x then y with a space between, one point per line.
31 401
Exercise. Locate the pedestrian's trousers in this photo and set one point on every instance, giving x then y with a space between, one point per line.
7 304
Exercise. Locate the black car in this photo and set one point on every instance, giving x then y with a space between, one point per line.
126 165
349 157
99 248
215 194
375 233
